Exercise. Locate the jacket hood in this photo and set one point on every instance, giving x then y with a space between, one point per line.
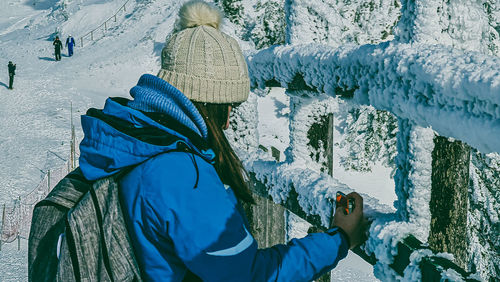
120 136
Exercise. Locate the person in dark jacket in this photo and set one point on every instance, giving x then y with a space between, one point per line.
57 48
184 184
12 72
70 43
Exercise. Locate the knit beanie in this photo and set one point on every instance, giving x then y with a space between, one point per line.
201 61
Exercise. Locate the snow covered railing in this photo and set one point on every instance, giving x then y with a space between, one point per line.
104 26
301 187
456 93
16 219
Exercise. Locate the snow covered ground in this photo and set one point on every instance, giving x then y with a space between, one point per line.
35 116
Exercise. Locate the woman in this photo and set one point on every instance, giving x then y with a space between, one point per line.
180 195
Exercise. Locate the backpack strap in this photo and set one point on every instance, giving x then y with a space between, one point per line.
93 194
105 253
72 251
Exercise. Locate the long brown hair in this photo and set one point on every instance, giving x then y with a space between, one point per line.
227 163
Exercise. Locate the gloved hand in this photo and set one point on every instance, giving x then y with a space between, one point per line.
353 224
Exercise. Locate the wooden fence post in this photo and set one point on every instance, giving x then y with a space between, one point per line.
267 221
73 148
70 165
72 142
115 18
19 225
3 224
449 198
275 153
48 180
92 35
321 138
81 40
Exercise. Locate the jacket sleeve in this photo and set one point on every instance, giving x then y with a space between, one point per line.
210 237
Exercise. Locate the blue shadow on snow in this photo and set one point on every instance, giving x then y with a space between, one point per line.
42 4
47 59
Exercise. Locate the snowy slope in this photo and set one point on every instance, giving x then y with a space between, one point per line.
35 116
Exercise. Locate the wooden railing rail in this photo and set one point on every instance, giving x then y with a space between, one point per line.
104 26
425 87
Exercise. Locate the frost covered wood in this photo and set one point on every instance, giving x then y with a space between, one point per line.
455 92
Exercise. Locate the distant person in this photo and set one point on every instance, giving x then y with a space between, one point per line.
70 43
57 48
12 72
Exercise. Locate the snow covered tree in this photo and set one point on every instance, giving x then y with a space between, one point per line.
269 27
484 212
233 10
370 135
342 21
492 9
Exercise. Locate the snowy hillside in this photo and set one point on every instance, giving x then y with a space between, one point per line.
35 116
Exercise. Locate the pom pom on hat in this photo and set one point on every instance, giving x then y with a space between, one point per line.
202 62
197 13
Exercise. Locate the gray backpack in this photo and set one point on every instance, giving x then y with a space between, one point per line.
78 233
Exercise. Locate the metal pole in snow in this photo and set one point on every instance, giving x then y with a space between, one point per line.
3 216
71 142
73 148
48 180
19 226
3 223
70 164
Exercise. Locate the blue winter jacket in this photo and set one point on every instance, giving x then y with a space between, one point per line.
180 216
